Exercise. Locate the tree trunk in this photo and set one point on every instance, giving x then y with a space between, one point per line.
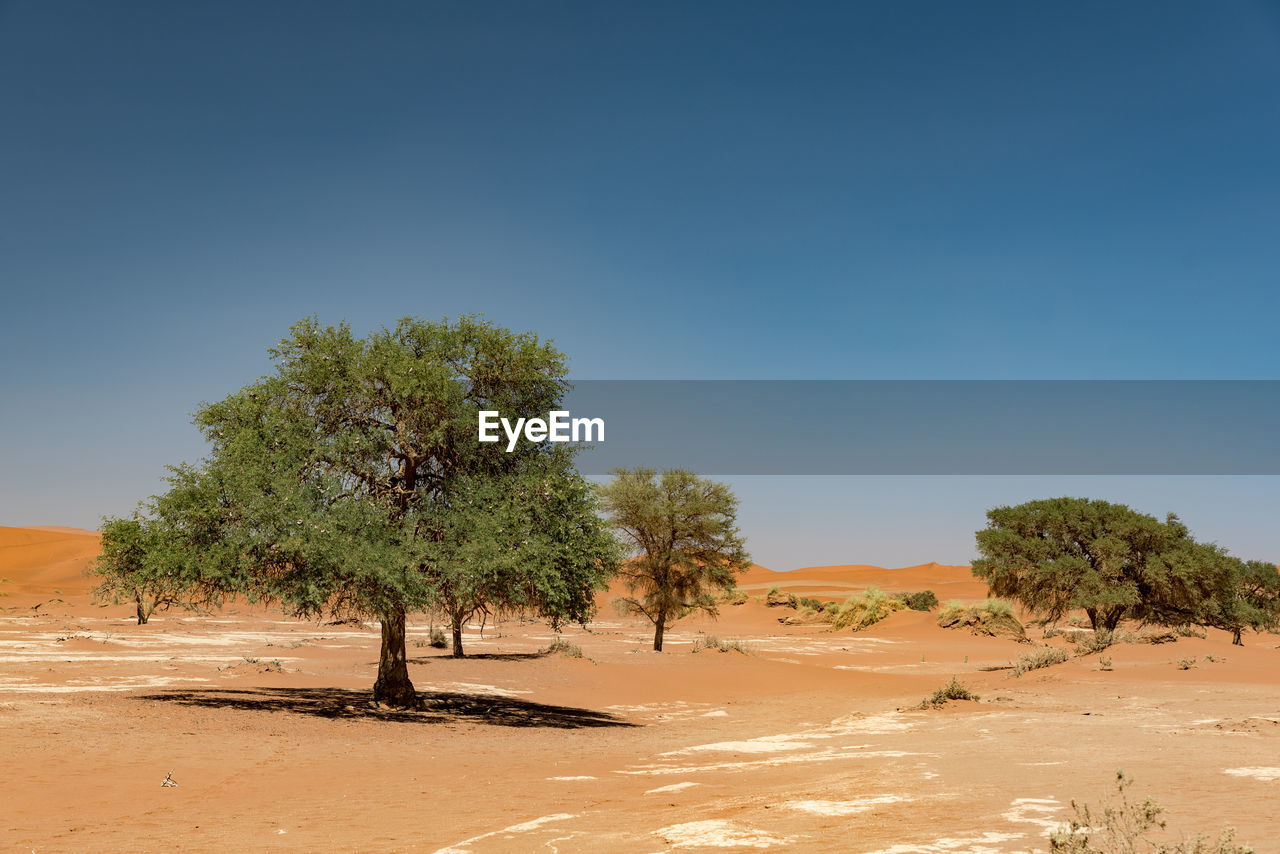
457 638
393 686
659 626
1093 618
144 613
1235 639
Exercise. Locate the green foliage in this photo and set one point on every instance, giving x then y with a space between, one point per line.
155 561
808 603
1247 597
350 482
953 690
865 609
684 539
1123 826
1044 656
711 642
1058 555
923 600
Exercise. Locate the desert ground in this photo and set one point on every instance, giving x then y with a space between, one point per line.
811 740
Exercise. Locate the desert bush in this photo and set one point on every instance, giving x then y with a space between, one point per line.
1186 663
436 638
923 600
831 608
992 617
711 642
865 609
1045 656
1122 826
1186 630
808 602
953 690
1096 641
562 647
1104 662
734 596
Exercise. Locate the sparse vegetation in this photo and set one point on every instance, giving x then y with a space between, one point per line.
711 642
1044 656
564 648
953 690
922 600
1090 642
993 617
734 596
1104 662
1186 663
436 638
865 609
1123 826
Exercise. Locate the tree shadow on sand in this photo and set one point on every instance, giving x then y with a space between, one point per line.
439 707
475 656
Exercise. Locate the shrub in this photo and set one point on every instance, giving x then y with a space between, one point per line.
714 643
1044 656
924 600
1122 826
993 617
1186 663
1104 662
807 602
953 690
560 646
734 597
436 638
865 609
1091 642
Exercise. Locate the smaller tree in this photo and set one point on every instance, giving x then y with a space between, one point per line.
1247 598
144 561
685 543
528 542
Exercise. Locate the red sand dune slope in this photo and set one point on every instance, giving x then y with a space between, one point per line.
40 560
838 582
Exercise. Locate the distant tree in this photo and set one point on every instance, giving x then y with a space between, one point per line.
332 484
684 539
1057 555
149 561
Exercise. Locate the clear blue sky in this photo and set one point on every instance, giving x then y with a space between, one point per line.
668 190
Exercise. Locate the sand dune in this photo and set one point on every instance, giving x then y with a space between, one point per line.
44 561
946 580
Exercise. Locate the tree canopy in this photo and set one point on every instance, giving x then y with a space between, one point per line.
1057 555
351 482
684 539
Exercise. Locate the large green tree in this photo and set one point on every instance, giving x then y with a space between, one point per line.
1058 555
344 482
684 539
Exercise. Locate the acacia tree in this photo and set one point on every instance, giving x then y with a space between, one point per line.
530 542
332 483
1057 555
685 542
1247 597
143 563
